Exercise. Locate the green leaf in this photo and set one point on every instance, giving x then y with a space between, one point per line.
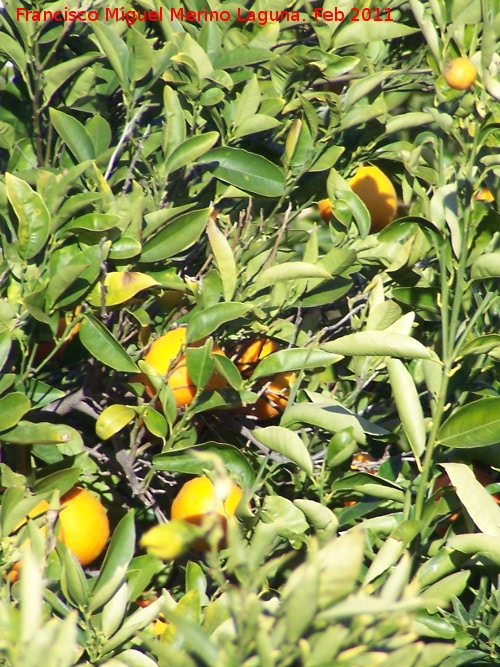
477 543
73 581
74 135
115 50
103 346
480 505
116 562
42 433
57 76
190 150
112 420
487 344
13 407
486 266
224 259
287 443
205 322
380 344
340 564
247 171
476 424
292 360
200 364
363 32
184 461
176 236
32 214
408 405
290 271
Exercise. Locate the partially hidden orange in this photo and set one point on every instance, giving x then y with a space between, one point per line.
167 356
199 500
377 193
460 73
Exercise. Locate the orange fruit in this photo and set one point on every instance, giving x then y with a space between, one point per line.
250 354
273 400
377 193
85 524
460 73
484 194
167 356
198 500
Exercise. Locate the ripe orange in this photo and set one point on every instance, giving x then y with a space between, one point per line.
199 500
250 354
376 192
484 194
460 73
274 398
167 356
85 524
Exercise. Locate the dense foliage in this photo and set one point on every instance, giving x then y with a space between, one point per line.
164 173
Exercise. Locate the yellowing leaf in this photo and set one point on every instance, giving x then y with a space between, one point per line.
120 286
170 540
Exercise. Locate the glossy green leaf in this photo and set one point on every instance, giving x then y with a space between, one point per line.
224 259
185 461
42 433
476 424
480 505
190 150
293 360
487 344
116 562
287 443
74 135
112 420
408 405
380 344
290 271
177 236
103 346
13 407
205 322
73 582
486 266
115 50
477 543
32 215
248 171
200 364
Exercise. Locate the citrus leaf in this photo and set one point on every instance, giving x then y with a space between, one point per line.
190 150
480 505
120 286
177 236
13 407
100 343
116 562
287 443
290 271
224 259
292 360
476 424
205 322
42 433
74 135
32 214
378 343
112 419
408 405
247 171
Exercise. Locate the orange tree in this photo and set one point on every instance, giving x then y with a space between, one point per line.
167 174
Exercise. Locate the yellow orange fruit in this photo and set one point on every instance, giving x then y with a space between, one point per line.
484 194
377 193
85 524
460 73
167 356
249 354
274 398
198 499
